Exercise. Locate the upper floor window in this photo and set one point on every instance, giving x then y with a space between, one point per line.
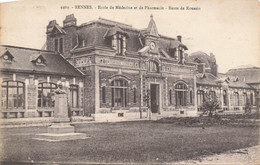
58 45
7 57
45 94
12 94
153 67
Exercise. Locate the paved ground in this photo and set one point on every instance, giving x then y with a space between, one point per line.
246 156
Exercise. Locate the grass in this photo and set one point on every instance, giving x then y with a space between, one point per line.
127 142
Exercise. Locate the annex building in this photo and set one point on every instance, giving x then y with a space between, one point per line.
113 71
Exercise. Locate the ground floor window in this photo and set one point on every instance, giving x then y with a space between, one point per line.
212 95
236 99
46 95
119 93
200 97
181 94
103 94
74 89
251 99
12 94
170 97
225 101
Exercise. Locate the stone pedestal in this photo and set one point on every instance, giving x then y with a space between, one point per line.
61 129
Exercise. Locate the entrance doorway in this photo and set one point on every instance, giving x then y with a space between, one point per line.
155 102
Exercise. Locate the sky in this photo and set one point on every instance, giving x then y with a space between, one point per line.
227 28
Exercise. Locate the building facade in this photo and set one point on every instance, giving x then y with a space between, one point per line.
120 73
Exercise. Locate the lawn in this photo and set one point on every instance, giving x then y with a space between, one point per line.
127 142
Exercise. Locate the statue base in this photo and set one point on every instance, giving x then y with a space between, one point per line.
60 132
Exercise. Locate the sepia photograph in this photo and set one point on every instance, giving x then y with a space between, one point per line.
130 82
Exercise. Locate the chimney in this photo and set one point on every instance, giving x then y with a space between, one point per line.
179 37
51 25
70 20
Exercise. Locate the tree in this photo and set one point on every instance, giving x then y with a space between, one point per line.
210 105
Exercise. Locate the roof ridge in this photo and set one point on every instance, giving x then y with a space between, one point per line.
19 47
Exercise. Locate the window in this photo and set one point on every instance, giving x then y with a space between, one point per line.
103 93
244 99
61 45
12 94
191 97
181 94
134 95
180 56
119 93
170 97
212 95
225 101
251 99
45 94
153 67
173 53
56 44
74 95
200 97
119 43
236 99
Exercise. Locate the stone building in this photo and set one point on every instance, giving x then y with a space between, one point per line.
119 73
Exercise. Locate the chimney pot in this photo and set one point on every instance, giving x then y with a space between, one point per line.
179 37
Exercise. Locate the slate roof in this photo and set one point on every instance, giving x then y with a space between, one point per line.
207 79
94 34
202 57
23 61
251 74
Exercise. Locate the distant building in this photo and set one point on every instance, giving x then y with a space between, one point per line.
121 73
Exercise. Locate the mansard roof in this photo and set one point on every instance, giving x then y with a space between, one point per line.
250 74
201 57
207 79
23 57
94 33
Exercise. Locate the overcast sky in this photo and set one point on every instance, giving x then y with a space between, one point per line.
229 29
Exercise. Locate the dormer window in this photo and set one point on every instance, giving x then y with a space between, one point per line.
7 57
180 55
118 39
120 44
38 59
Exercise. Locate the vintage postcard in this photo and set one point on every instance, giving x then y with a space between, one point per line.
132 82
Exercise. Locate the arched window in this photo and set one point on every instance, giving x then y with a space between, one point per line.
119 93
153 67
200 97
236 99
74 93
45 94
181 94
12 94
225 101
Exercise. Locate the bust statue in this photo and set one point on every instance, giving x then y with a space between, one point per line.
60 89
